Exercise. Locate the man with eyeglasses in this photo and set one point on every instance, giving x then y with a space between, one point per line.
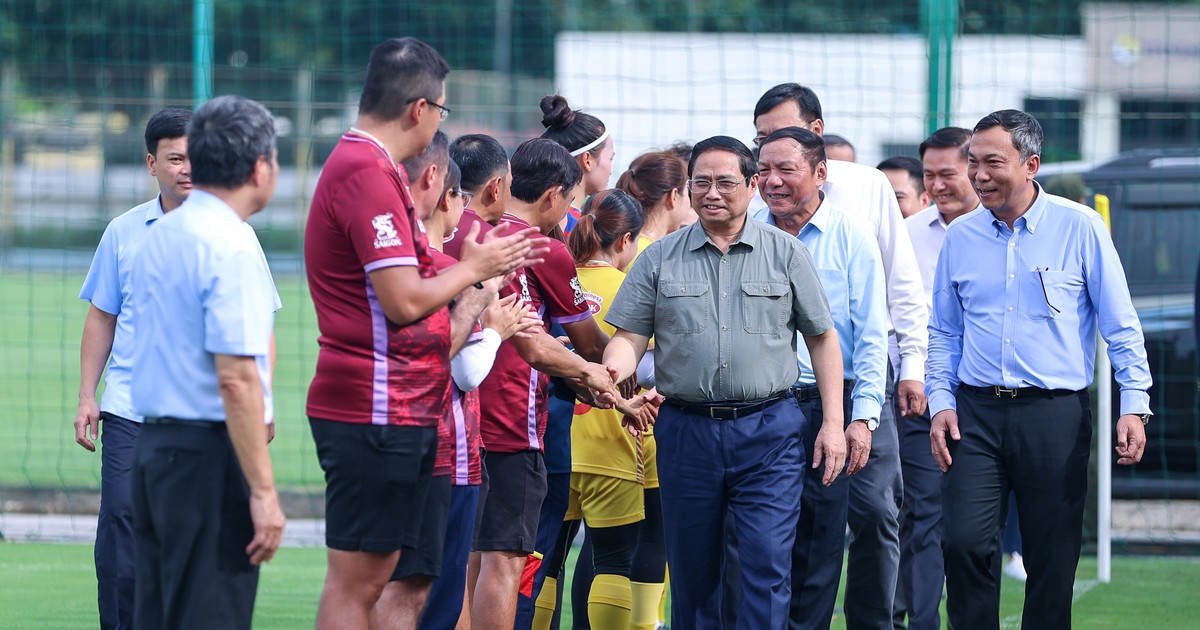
726 299
382 381
876 493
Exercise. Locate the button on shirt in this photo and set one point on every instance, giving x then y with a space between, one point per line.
1019 307
200 287
724 323
847 261
107 287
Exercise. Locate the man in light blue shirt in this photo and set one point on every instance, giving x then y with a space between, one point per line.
791 169
1021 287
205 509
108 332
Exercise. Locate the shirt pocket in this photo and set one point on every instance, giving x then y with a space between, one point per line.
765 306
684 307
1051 294
833 281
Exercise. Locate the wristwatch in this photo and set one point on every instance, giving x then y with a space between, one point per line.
872 423
1145 418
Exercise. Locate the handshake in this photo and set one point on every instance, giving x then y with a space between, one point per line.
599 388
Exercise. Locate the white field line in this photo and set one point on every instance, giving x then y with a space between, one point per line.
1013 622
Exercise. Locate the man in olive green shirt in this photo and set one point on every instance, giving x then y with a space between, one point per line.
724 300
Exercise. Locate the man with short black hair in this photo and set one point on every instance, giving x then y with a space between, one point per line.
1020 291
875 494
792 167
205 510
838 148
108 334
907 180
382 382
485 175
726 300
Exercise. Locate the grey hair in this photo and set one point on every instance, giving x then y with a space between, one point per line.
1026 131
226 136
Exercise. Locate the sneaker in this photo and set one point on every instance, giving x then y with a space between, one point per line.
1015 568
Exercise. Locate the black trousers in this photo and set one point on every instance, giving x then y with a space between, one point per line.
1038 448
191 521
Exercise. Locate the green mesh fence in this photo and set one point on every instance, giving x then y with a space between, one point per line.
78 79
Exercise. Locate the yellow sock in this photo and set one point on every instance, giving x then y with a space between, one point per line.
662 602
543 607
644 615
609 602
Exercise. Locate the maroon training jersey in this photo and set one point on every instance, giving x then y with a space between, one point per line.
513 396
369 369
453 246
458 434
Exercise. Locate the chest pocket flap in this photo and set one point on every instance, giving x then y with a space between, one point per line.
765 306
685 306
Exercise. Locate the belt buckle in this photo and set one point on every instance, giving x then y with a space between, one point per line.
1001 391
723 413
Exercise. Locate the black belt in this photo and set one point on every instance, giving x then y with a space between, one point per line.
729 410
166 421
1015 392
809 393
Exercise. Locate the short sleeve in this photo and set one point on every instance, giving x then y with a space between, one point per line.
102 286
809 305
376 215
238 303
276 302
562 295
633 307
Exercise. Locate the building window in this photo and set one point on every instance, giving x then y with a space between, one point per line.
1060 122
1159 123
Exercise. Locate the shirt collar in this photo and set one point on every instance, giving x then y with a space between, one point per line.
155 211
1034 215
1031 218
697 237
821 218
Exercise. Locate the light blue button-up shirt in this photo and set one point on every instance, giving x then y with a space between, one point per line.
851 271
200 287
1020 307
107 288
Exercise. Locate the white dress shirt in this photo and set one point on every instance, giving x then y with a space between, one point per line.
866 194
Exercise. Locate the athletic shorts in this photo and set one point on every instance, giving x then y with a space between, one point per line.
603 501
377 481
426 557
510 502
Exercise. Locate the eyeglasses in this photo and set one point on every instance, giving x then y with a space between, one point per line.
464 195
724 186
442 110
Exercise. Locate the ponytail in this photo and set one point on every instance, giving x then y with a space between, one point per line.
607 216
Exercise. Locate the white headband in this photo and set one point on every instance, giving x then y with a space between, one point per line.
595 143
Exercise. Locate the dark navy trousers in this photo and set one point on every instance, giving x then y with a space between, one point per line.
922 570
869 502
754 468
115 563
445 602
1038 447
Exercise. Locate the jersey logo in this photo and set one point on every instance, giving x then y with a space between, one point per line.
594 302
579 298
385 231
525 296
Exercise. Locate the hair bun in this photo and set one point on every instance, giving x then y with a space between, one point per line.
556 114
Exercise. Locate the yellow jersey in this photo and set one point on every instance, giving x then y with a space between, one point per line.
599 444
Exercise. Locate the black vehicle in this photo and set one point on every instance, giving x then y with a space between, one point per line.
1154 198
